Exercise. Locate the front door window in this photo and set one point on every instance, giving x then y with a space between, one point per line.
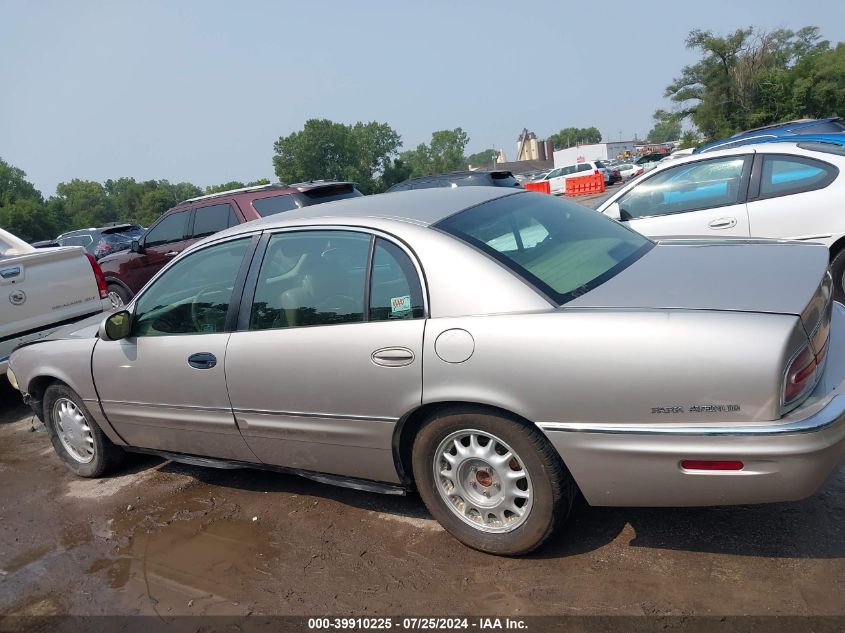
192 296
689 187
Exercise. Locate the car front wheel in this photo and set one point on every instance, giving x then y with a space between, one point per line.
77 439
494 483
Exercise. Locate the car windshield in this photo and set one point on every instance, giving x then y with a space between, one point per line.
560 247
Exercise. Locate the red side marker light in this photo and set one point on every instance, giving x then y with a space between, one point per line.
708 464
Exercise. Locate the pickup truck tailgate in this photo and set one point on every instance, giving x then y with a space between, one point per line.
44 289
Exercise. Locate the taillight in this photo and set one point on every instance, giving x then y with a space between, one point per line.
596 172
799 375
102 286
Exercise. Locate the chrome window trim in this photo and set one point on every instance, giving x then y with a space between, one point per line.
355 228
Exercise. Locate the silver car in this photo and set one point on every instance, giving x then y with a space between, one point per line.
499 350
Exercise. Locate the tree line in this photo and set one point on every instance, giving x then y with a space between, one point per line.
750 78
742 80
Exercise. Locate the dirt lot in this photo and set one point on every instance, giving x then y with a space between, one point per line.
162 538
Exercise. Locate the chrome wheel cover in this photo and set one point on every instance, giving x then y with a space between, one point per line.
483 481
116 300
73 430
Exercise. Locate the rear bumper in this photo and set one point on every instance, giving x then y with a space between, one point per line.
785 460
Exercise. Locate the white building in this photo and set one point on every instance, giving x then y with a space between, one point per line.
593 151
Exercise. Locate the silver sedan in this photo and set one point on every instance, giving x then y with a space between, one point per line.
498 350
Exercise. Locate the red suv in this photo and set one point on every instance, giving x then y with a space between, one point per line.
177 228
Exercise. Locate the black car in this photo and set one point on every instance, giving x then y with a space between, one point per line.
104 240
459 179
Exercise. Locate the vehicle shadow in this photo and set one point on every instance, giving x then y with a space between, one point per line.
12 408
810 528
804 529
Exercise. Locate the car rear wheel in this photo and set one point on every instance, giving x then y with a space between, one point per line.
77 439
118 295
837 271
495 484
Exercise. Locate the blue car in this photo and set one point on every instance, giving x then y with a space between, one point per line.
829 129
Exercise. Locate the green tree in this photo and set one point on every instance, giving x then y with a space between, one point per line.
226 186
26 218
22 209
184 191
327 150
667 127
484 158
571 136
154 202
750 78
14 185
396 171
86 203
445 153
689 140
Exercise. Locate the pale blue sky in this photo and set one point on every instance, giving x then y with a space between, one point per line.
199 91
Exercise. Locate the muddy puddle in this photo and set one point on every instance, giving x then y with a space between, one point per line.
196 566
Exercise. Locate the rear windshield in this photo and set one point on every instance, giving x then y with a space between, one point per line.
123 235
560 247
329 193
823 127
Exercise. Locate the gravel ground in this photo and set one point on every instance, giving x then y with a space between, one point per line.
163 539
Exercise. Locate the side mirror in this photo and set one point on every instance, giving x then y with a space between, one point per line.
136 247
115 326
613 211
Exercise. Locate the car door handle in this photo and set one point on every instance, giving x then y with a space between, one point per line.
171 253
203 360
10 273
393 357
723 223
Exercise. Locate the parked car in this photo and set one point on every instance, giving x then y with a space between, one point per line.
649 161
781 190
629 171
557 177
499 178
104 240
613 175
181 226
41 290
830 128
458 341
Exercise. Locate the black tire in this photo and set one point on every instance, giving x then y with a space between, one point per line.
553 489
837 271
106 456
119 291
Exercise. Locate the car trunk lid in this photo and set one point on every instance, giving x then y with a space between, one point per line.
740 275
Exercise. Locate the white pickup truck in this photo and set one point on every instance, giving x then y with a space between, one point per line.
41 290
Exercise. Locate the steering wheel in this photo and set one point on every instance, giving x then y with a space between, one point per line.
199 314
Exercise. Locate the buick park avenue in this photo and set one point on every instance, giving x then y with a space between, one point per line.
496 349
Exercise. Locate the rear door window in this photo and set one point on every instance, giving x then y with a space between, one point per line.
395 290
210 220
311 278
786 175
